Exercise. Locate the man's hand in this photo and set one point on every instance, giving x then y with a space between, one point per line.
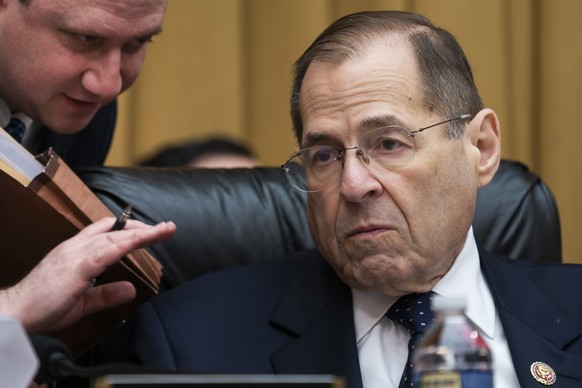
58 291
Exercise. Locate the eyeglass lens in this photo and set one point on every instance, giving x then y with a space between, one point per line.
320 166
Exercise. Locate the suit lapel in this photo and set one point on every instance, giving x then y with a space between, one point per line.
317 309
535 327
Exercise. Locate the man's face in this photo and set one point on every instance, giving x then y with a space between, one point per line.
398 231
64 59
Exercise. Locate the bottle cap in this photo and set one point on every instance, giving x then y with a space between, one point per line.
449 303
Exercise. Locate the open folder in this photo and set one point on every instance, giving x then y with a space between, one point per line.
45 204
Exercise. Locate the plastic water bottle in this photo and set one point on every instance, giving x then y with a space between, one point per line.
452 353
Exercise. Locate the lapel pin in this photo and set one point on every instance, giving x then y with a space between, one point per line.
543 373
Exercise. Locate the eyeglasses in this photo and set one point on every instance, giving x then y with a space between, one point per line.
315 168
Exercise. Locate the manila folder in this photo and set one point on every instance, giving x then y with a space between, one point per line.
36 218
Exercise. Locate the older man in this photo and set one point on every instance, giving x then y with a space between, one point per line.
395 142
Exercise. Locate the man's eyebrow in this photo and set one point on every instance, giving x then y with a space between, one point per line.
365 125
314 138
150 35
381 121
156 31
98 34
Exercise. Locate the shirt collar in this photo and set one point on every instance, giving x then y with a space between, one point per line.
466 280
463 279
369 307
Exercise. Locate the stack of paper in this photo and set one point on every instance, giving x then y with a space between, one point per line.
17 161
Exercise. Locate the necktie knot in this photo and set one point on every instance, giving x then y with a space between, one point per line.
16 128
414 312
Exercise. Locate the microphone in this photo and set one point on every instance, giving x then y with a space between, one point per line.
53 356
55 363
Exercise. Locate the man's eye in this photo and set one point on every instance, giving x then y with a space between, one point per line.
321 156
78 42
85 38
386 141
147 39
139 43
389 144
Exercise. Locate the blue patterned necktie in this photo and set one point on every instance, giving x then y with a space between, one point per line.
415 314
15 128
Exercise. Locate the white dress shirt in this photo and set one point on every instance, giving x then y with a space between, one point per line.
383 344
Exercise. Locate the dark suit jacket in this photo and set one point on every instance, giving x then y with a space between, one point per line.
295 316
88 147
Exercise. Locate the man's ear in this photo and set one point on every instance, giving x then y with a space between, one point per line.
486 137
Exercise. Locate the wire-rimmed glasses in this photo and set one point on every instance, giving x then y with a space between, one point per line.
318 167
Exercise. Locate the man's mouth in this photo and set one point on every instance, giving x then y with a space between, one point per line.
368 230
82 106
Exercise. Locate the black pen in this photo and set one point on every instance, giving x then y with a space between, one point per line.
122 219
119 224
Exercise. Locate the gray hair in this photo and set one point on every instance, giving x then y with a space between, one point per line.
447 81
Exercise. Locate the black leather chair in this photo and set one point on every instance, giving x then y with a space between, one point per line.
517 216
228 217
234 217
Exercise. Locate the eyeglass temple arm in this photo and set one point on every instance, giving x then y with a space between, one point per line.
461 117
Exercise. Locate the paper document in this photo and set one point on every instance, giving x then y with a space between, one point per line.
16 160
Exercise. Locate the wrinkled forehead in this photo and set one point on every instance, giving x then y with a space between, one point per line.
128 8
123 8
114 13
382 79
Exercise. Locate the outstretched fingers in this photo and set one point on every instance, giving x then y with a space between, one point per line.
103 247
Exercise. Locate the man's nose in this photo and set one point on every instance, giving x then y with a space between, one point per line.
356 179
104 77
